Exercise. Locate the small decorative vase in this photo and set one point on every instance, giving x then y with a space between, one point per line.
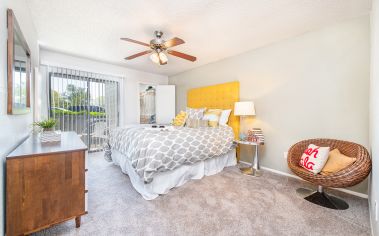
50 136
242 137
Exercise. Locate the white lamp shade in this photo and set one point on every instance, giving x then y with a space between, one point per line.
155 58
159 57
244 109
163 57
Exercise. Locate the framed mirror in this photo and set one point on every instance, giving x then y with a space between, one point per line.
19 68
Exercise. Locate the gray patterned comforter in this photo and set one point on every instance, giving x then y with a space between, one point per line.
150 151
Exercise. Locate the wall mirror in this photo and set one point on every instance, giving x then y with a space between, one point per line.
19 68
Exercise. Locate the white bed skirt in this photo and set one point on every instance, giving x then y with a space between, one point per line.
164 181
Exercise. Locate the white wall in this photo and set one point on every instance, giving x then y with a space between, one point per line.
14 128
313 85
374 116
130 86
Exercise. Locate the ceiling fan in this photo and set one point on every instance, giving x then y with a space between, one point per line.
158 47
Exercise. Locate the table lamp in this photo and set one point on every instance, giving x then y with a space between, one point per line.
244 109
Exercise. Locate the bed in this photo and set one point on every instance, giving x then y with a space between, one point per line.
158 160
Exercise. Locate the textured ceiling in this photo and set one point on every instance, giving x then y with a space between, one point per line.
212 29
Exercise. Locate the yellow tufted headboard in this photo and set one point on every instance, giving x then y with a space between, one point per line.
221 96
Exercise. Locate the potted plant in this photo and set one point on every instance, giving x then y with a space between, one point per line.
48 134
46 125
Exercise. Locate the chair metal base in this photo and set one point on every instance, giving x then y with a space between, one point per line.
323 199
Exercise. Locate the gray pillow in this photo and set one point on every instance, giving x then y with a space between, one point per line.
193 113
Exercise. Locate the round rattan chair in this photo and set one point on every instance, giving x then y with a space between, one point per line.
347 177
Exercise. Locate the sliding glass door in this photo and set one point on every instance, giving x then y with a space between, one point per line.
86 103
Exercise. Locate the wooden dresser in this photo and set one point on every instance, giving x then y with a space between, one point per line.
45 184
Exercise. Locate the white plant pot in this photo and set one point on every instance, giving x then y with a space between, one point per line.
50 136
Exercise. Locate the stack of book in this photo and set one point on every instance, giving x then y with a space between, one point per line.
50 136
256 135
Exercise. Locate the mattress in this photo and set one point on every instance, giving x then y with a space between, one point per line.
164 181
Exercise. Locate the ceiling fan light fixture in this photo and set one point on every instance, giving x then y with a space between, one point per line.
159 57
155 58
163 57
158 46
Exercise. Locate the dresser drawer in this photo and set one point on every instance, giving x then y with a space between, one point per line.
86 202
86 179
86 160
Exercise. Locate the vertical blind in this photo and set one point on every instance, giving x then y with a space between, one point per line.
84 102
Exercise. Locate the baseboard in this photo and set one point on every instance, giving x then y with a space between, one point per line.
362 195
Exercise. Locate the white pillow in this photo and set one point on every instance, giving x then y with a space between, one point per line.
212 116
314 158
224 117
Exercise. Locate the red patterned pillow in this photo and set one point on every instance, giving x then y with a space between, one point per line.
314 158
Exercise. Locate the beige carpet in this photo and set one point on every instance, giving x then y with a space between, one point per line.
228 203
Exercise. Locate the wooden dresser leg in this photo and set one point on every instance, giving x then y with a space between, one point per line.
77 221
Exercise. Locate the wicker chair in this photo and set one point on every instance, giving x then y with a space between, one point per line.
347 177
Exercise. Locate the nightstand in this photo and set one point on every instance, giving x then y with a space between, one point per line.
254 169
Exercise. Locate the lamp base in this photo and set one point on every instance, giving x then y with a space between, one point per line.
251 171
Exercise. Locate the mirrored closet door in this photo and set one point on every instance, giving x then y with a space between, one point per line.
147 104
157 104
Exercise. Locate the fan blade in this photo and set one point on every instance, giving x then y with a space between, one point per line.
173 42
135 41
181 55
138 55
